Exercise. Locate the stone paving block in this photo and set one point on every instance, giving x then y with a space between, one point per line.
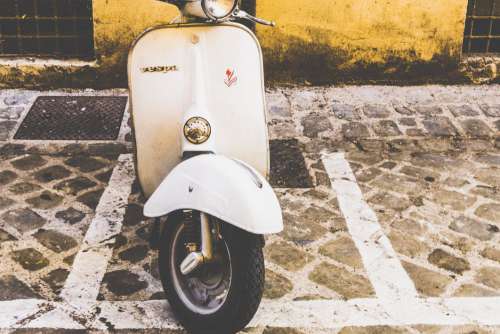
287 256
406 244
85 163
489 176
23 219
367 158
410 226
6 236
133 214
276 285
414 132
487 158
448 261
55 241
46 200
75 185
52 173
315 124
427 175
55 279
5 202
453 199
123 282
491 253
476 128
427 282
440 127
386 128
70 215
12 288
6 128
30 259
489 276
428 110
355 130
404 110
7 176
366 175
407 121
23 188
390 201
340 280
342 250
29 162
491 110
278 106
489 212
376 111
91 198
463 110
472 290
345 111
474 228
134 254
398 183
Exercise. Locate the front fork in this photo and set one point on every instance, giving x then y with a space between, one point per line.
195 258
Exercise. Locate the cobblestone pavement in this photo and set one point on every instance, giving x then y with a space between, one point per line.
46 205
427 160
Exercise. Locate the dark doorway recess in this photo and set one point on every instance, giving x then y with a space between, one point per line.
73 118
47 28
482 27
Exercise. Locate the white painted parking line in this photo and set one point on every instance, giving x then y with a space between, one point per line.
387 275
319 314
13 312
89 266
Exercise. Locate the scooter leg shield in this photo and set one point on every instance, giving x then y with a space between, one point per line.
221 187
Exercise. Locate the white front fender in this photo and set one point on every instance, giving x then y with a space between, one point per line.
224 188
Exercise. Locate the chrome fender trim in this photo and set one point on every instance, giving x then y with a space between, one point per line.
222 187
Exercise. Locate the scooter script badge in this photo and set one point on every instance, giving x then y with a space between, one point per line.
162 69
231 77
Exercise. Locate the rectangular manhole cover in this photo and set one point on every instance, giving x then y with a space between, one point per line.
73 118
288 167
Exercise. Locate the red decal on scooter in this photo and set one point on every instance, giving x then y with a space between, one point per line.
231 78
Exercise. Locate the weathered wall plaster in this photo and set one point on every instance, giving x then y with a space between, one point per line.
316 42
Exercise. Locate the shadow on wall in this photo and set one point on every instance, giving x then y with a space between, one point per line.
314 60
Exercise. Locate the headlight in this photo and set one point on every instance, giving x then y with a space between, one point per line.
218 9
197 130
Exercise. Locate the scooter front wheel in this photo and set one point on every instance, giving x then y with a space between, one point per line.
222 295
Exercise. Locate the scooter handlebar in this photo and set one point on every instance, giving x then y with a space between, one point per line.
244 15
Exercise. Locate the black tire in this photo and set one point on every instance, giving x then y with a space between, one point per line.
246 288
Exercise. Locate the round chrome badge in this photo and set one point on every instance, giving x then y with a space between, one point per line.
197 130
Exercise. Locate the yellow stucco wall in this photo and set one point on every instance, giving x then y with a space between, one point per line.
318 41
381 38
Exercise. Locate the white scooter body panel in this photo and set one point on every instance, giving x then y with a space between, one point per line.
224 188
161 83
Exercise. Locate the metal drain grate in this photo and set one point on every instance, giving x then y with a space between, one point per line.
73 118
288 167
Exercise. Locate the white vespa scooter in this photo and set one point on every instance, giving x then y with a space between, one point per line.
202 155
